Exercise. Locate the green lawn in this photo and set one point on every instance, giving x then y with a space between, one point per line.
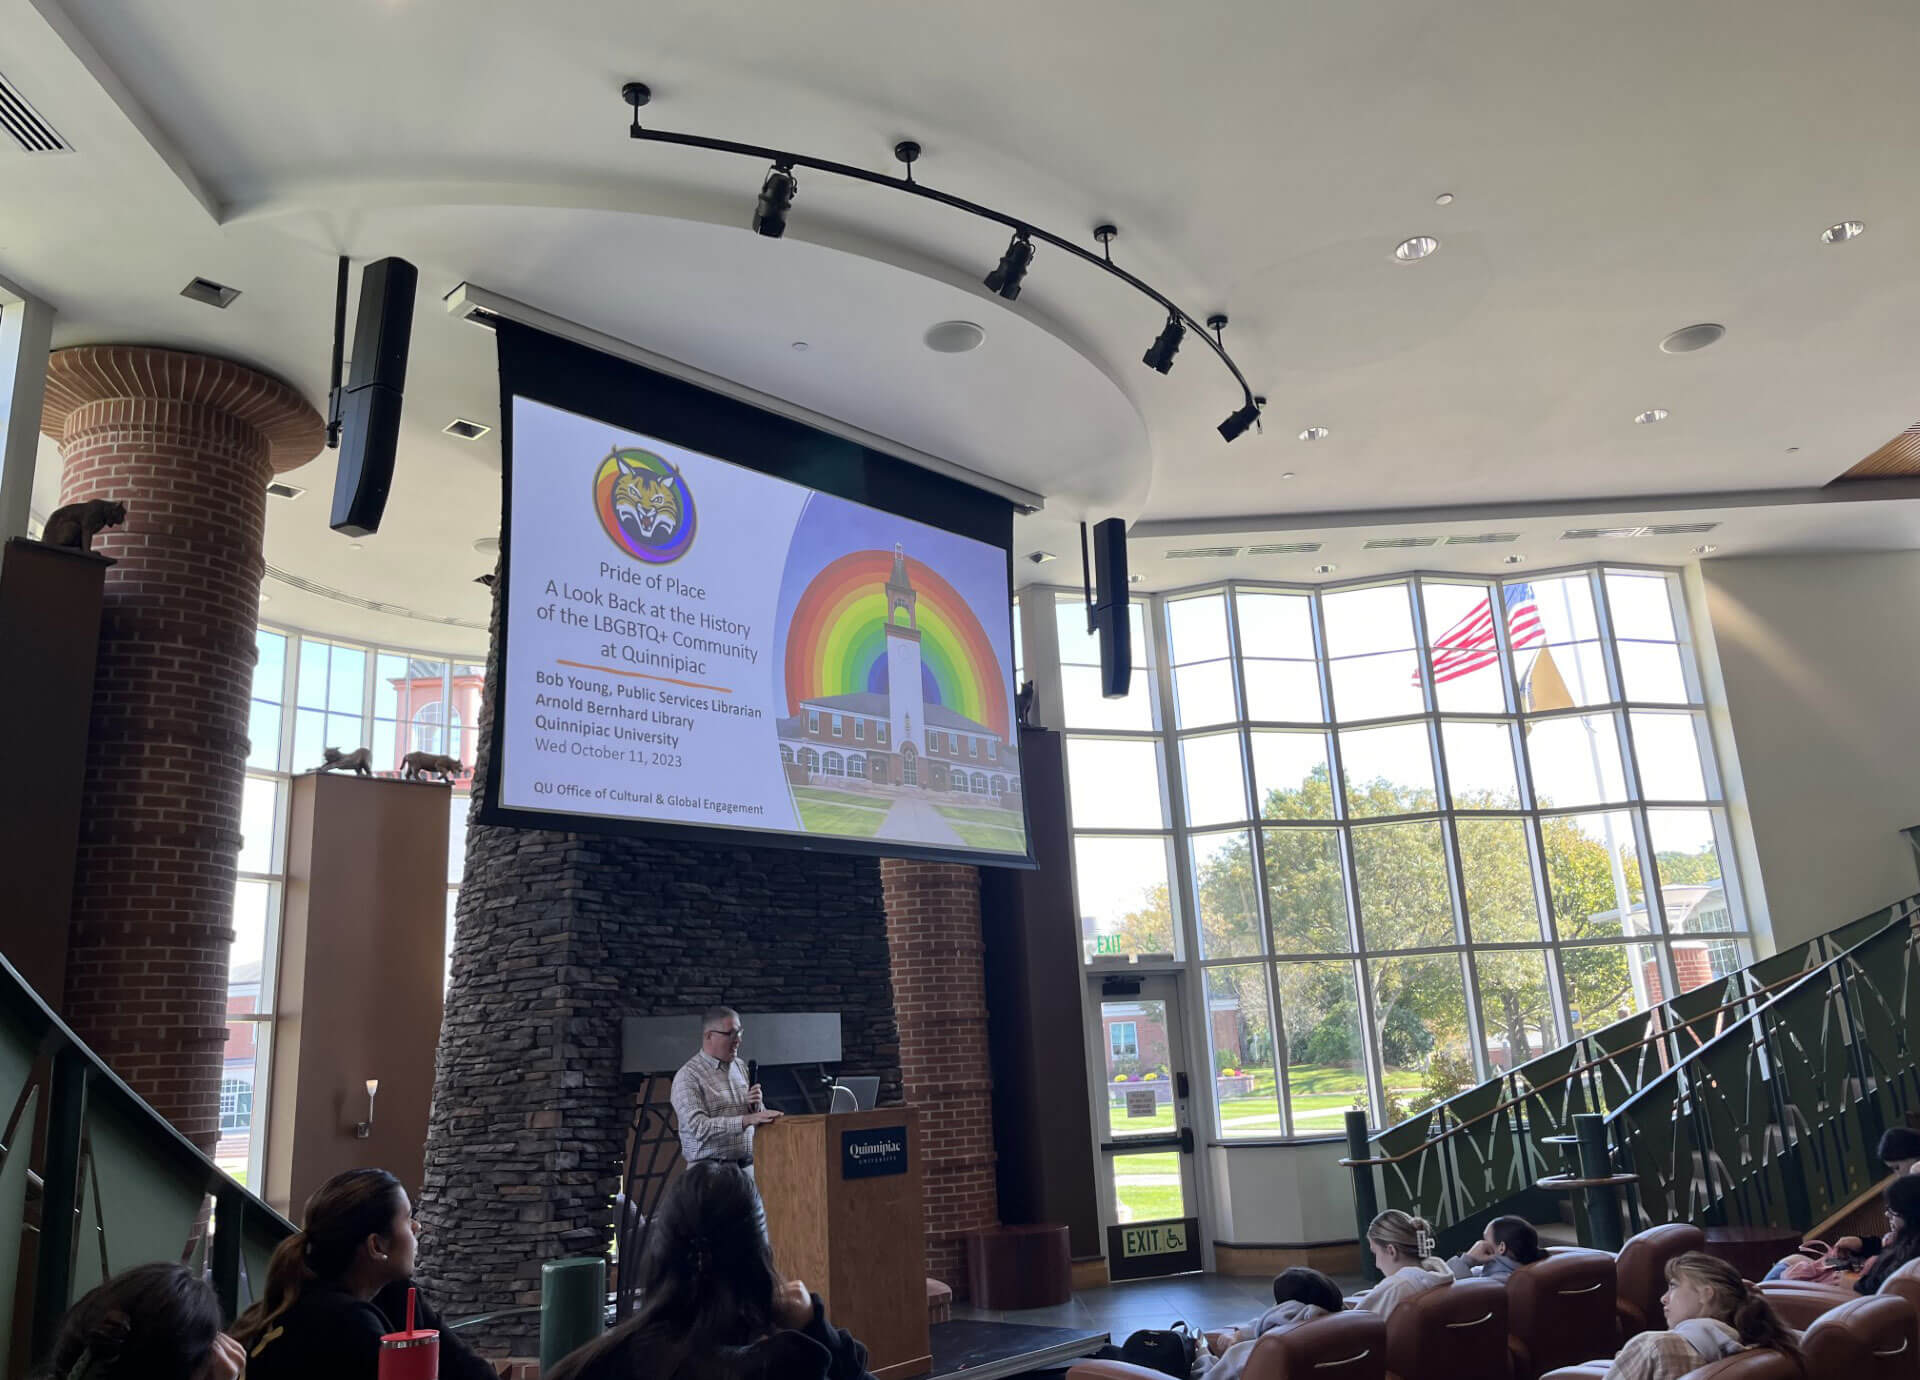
839 812
980 814
984 829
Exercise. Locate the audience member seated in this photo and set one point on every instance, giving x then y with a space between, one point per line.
1403 1251
1849 1257
1901 1243
338 1285
1507 1244
1299 1296
713 1307
153 1322
1711 1313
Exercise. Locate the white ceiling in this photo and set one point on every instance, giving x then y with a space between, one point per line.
1618 172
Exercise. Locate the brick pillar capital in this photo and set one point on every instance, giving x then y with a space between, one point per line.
83 377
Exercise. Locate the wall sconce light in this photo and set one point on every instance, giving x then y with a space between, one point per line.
365 1128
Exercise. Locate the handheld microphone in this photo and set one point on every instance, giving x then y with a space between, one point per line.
753 1072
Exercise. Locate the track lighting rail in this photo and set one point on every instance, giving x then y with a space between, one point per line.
637 94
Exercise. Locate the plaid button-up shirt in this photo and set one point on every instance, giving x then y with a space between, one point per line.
710 1102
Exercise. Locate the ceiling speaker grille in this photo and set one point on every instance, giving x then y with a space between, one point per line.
1203 553
1483 538
1677 529
1400 543
1284 548
24 125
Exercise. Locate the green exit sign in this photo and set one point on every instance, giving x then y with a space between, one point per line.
1108 944
1167 1239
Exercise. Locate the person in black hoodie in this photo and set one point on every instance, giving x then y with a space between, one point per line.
338 1285
712 1306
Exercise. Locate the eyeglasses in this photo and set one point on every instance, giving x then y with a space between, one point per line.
726 1034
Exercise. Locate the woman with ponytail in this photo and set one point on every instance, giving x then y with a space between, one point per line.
153 1322
1711 1312
1403 1250
338 1285
712 1306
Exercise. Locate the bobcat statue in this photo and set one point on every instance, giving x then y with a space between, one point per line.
75 526
359 761
420 766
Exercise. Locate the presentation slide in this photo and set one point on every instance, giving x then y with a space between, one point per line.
693 642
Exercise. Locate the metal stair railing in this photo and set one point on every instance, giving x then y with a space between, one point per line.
1483 1152
102 1182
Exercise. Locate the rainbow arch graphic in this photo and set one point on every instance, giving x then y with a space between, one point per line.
837 641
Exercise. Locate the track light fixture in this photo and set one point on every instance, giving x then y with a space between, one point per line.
1006 278
776 199
1234 426
1166 345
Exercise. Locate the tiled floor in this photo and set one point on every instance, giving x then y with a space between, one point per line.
1201 1301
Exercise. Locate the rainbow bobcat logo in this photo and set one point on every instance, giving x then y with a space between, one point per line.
644 505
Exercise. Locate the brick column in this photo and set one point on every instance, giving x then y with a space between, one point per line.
940 1001
188 443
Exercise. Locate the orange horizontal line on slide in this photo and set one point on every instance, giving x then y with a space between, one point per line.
638 675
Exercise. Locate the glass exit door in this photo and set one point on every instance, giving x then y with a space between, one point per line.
1145 1127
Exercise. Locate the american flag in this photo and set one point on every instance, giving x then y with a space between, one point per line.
1469 645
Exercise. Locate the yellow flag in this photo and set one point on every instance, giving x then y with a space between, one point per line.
1546 689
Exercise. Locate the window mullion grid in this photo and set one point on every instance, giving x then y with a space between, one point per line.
1658 932
1449 835
1173 796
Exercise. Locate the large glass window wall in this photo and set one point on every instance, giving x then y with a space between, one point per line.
308 694
1411 832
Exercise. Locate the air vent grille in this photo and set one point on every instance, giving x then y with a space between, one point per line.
466 430
1284 548
1400 543
212 294
1204 553
1668 529
24 125
279 488
1483 539
340 596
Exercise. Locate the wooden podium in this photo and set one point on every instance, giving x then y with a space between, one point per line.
844 1211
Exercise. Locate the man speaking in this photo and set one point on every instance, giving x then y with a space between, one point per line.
712 1101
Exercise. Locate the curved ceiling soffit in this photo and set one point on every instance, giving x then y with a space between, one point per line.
327 214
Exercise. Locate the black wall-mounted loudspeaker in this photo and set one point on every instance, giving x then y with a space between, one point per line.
370 403
1111 617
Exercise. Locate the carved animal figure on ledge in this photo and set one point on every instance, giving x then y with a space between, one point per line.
75 526
359 761
424 766
1023 705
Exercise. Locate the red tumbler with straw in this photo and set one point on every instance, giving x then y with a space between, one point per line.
413 1354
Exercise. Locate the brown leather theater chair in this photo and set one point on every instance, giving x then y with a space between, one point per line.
1751 1365
1641 1273
1456 1333
1872 1338
1561 1311
1800 1305
1352 1346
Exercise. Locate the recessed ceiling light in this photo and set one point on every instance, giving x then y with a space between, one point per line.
209 292
355 546
466 430
265 597
1651 415
1135 579
1287 475
1793 450
1315 433
1410 251
1705 549
954 337
1041 557
1690 338
1325 569
487 546
1844 231
1444 199
800 345
1515 560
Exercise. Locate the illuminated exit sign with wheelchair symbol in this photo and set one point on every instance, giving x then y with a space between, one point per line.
1142 1250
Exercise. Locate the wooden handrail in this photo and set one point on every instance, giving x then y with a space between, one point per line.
1535 1091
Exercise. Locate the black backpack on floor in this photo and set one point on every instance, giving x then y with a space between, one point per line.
1168 1350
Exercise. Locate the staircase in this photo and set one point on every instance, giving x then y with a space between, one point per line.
1755 1099
96 1181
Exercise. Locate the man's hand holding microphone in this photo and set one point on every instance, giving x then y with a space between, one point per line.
759 1115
